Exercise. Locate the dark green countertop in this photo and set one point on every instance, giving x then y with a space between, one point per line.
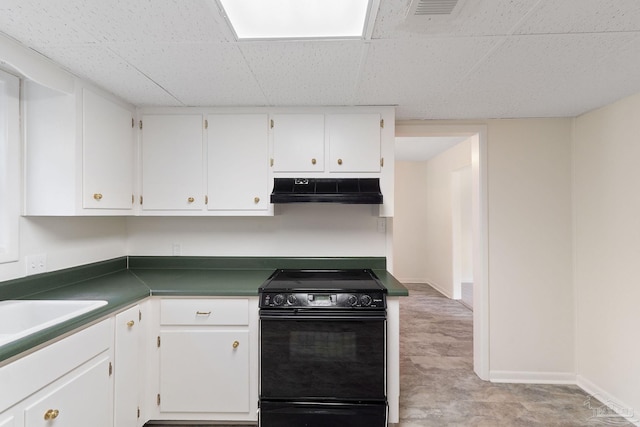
126 280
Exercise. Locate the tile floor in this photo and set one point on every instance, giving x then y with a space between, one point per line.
439 388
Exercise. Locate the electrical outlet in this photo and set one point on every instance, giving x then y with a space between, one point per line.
36 264
176 249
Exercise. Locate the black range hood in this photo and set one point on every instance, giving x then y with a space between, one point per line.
327 190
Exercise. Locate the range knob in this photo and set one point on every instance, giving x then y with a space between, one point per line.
278 299
352 300
365 300
291 299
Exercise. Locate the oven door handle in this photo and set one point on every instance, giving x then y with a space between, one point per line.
314 315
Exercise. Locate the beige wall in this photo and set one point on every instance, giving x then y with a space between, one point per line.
607 251
409 222
530 279
530 286
439 262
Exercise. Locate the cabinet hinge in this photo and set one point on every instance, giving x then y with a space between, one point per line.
138 412
381 162
140 199
158 399
110 369
140 124
158 341
133 199
206 199
139 315
133 122
206 124
382 123
271 123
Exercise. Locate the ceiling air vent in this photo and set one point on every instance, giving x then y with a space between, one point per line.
432 7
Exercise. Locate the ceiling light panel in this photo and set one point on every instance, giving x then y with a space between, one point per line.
297 19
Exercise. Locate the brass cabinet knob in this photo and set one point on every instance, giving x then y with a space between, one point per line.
130 323
339 161
235 344
191 200
51 414
313 161
97 196
256 200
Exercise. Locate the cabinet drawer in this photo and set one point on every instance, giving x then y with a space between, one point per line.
204 312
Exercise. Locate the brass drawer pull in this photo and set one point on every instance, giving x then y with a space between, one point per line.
97 196
235 344
256 200
203 313
130 323
191 200
313 161
51 414
339 161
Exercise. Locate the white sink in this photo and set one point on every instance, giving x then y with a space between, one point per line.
19 318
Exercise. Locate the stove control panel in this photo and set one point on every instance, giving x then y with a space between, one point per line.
357 300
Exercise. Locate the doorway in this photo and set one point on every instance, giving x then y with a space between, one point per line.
475 137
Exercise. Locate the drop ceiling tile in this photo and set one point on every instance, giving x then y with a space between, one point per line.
582 16
545 75
474 18
99 65
306 73
198 74
148 21
38 23
417 71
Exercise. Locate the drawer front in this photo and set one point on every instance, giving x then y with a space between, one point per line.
204 311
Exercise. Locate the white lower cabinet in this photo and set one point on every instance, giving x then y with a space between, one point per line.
128 351
68 383
79 401
207 359
8 420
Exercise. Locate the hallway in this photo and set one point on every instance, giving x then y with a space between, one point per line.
439 388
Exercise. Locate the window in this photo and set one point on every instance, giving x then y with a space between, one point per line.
9 167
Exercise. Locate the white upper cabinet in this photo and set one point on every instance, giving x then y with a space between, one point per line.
108 146
78 152
354 142
298 142
237 162
172 166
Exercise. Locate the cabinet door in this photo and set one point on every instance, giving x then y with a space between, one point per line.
172 167
81 401
107 151
238 162
204 371
354 142
298 142
126 360
8 421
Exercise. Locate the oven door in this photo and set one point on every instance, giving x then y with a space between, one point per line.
288 414
312 356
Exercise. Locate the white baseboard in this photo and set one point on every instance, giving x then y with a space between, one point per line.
439 289
529 377
410 280
614 405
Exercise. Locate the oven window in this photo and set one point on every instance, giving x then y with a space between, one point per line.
322 346
329 359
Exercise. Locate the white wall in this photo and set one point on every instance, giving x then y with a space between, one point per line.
439 215
67 242
530 290
409 222
295 230
607 251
